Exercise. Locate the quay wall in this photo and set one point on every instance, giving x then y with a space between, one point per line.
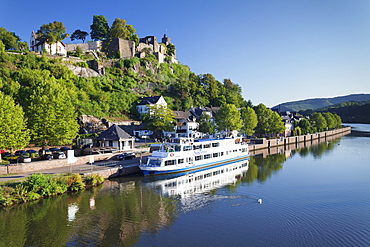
267 147
116 171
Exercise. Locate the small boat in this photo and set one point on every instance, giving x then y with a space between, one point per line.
185 154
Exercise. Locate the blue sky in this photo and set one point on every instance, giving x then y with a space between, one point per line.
277 51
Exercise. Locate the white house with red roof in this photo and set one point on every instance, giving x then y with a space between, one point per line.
36 45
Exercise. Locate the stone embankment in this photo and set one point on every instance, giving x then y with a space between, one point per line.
271 146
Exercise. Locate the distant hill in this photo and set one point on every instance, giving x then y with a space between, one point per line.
302 105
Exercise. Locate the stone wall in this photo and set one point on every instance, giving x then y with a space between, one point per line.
50 164
287 148
126 48
85 47
293 140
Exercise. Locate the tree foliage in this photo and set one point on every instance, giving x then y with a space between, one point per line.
9 39
171 49
78 34
249 118
99 28
122 30
205 124
160 118
269 122
52 32
13 131
51 114
228 118
318 121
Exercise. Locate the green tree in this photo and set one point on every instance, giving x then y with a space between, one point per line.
318 121
9 39
228 118
52 117
99 28
78 51
249 118
52 33
171 49
122 30
160 118
13 132
330 120
263 115
78 34
205 124
2 47
338 120
232 93
276 125
305 126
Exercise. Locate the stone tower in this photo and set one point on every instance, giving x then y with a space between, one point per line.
166 40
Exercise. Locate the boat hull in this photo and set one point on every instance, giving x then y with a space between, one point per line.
152 171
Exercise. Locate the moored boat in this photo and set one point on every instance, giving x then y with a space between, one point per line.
188 155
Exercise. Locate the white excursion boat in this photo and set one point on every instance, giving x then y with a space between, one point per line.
183 155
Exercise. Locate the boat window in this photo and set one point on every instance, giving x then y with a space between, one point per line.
187 148
180 161
215 144
199 157
207 145
170 162
215 155
154 162
207 156
195 147
177 148
222 153
216 173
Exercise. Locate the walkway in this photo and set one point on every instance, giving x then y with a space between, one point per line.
80 169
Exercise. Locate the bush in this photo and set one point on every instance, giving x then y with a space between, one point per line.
94 180
74 182
82 64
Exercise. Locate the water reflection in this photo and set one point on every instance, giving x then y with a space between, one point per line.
199 182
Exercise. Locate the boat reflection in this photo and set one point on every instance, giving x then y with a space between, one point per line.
198 182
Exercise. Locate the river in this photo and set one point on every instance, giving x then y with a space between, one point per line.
316 196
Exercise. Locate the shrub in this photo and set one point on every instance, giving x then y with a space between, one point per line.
94 179
32 196
82 64
74 182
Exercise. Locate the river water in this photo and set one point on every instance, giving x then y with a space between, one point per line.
316 196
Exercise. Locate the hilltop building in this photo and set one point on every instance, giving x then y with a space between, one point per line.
37 45
128 48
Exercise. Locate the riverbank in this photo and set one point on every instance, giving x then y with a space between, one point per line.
294 140
107 166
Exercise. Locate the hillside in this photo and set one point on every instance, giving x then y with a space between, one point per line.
314 104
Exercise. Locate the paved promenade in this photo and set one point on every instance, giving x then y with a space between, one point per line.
80 169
